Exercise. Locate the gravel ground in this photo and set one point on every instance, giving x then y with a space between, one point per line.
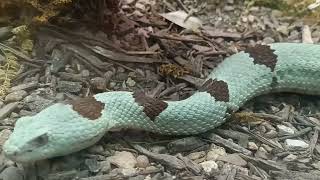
271 137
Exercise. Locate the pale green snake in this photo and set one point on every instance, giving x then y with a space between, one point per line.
64 128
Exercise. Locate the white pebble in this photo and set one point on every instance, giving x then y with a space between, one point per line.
142 161
290 157
209 166
296 144
285 130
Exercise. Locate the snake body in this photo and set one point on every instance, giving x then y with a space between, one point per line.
63 128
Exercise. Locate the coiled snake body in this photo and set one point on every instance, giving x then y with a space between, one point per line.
64 128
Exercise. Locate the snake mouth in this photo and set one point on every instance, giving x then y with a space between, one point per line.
11 152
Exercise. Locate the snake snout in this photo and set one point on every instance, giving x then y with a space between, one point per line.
10 151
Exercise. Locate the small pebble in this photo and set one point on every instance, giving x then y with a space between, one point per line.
267 147
85 73
128 171
130 82
252 146
233 159
140 7
16 96
251 18
196 155
123 159
316 165
304 160
283 29
4 135
105 166
142 161
215 152
262 153
290 157
271 134
99 83
268 40
209 166
112 84
60 96
244 19
228 8
295 144
158 149
284 130
7 109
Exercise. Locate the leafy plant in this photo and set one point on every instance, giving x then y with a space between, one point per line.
8 71
290 7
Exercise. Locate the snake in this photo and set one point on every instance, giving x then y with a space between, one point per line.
70 126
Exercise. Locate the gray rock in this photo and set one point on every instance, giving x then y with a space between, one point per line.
105 166
271 134
99 83
130 82
233 159
16 96
316 165
4 135
7 109
93 165
185 144
290 157
284 130
196 155
268 40
69 86
295 144
123 159
36 103
262 153
267 148
252 146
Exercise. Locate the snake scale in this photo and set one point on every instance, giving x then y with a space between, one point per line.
63 128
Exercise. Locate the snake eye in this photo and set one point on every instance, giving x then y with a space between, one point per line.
40 140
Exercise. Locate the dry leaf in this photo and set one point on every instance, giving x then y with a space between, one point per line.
179 18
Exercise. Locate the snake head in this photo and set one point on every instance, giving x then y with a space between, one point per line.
56 131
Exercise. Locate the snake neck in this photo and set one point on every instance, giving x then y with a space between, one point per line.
119 109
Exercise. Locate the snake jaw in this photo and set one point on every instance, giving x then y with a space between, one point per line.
29 150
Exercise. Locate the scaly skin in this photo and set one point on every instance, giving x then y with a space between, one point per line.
59 130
